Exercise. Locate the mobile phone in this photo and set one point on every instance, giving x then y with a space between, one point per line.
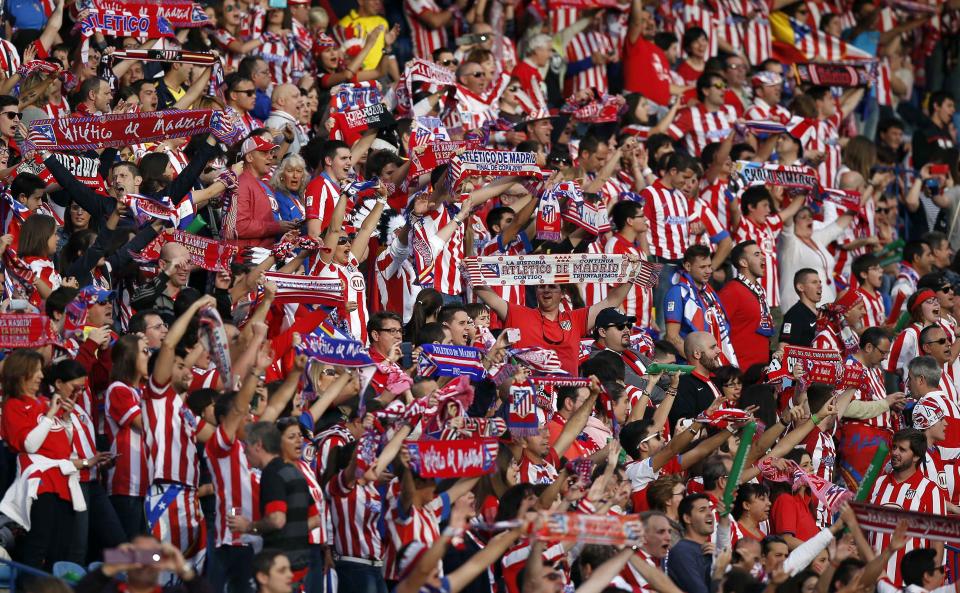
513 334
939 169
19 305
278 4
131 556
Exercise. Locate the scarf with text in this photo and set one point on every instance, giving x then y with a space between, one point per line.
589 216
205 253
493 163
576 268
607 530
314 290
833 74
86 170
748 173
144 209
117 24
25 330
447 360
181 14
124 129
765 328
214 338
425 157
461 458
105 69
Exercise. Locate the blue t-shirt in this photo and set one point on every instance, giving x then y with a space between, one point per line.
27 14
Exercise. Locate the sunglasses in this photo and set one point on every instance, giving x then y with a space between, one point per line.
330 372
941 341
620 326
478 74
719 85
450 62
883 210
247 92
229 8
13 115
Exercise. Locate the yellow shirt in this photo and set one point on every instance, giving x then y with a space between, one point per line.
366 24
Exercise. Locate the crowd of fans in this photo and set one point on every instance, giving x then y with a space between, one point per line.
257 353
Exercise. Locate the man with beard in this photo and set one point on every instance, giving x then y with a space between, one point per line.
905 488
689 566
745 301
696 391
800 321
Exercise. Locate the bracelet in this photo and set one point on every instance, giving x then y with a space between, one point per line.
814 418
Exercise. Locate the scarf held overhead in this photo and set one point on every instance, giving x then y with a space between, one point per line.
26 331
447 360
459 458
578 268
205 253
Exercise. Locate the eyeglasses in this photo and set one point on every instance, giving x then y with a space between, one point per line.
884 352
229 8
450 62
477 74
247 92
396 331
620 326
13 115
719 86
941 341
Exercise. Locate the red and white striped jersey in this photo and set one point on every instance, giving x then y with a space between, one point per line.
320 198
821 136
943 473
516 558
170 431
319 534
422 524
883 87
745 24
690 13
820 7
943 401
761 111
329 441
248 122
562 18
876 315
58 109
355 291
701 127
873 391
9 58
515 295
396 281
714 198
904 286
905 348
951 369
667 211
639 301
474 110
538 473
84 432
633 578
766 237
281 55
823 455
236 487
354 513
582 47
594 292
129 476
916 493
446 262
425 39
230 59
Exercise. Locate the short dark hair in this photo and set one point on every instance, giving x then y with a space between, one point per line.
447 312
912 250
59 299
691 35
8 100
925 333
818 93
746 493
590 143
378 159
263 562
266 434
495 215
937 99
680 161
873 336
695 252
916 563
25 184
705 81
888 124
739 251
768 542
664 347
713 470
138 323
623 211
90 85
752 196
376 320
862 264
330 148
933 239
606 365
917 440
631 434
801 275
686 505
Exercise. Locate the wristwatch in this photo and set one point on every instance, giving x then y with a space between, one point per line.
86 464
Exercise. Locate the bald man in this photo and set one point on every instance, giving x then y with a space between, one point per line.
285 104
161 291
696 391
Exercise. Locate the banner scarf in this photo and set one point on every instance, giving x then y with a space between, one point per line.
314 290
124 129
586 4
576 268
598 109
424 158
819 366
422 71
547 385
540 360
459 458
105 69
549 211
590 217
359 120
721 417
846 200
205 253
765 328
181 14
832 74
749 173
122 24
26 330
18 277
144 209
884 519
764 128
445 360
35 66
525 417
214 339
831 495
493 163
346 353
86 170
357 95
428 128
610 530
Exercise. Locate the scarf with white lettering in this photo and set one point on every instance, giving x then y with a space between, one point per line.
576 268
765 328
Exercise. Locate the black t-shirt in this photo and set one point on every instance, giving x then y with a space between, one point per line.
799 326
283 488
693 396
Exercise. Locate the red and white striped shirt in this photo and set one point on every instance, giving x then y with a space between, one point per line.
821 136
714 198
425 39
236 487
446 261
539 473
905 348
319 534
823 455
745 24
943 473
355 291
248 123
904 286
691 13
702 127
321 198
875 315
766 237
171 431
668 211
582 47
355 512
230 59
633 578
329 441
874 390
422 524
943 401
396 281
639 301
916 493
594 292
9 58
516 558
281 56
84 432
761 111
58 109
129 476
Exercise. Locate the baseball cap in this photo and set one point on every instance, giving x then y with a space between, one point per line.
766 78
93 294
610 316
256 143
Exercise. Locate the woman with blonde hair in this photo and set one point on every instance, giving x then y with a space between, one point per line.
288 184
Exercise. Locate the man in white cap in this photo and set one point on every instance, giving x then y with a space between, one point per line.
934 413
253 219
929 417
767 90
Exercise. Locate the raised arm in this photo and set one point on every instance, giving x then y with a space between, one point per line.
282 396
163 366
360 245
241 405
578 420
492 300
334 229
52 29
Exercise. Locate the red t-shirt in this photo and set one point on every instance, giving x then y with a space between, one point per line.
20 416
743 311
791 514
561 334
646 70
